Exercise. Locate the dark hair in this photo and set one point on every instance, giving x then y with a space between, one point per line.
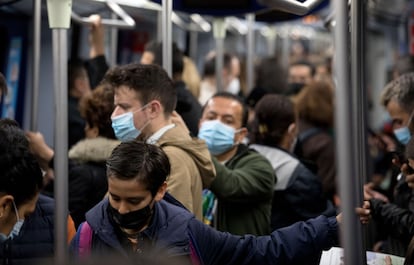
76 69
273 115
177 56
224 94
305 63
150 164
96 108
3 84
209 67
271 76
150 82
20 175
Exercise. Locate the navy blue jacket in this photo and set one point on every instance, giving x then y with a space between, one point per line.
173 228
35 240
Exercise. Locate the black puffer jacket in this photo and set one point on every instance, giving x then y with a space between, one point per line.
35 242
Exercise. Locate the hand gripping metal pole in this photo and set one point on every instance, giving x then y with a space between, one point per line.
127 22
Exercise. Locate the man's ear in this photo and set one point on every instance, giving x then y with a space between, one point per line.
161 192
155 109
292 129
5 204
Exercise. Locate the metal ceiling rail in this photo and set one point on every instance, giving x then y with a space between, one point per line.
127 22
292 6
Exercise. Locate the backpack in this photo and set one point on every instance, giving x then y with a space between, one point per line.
298 150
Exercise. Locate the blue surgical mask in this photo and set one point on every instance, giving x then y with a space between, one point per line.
16 228
218 136
124 127
403 135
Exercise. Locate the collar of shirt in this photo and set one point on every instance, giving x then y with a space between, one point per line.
156 136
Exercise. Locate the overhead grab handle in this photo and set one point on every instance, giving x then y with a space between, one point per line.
127 22
292 6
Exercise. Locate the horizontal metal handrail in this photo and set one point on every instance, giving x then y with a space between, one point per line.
292 6
127 21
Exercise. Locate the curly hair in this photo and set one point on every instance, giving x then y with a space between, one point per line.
97 107
315 104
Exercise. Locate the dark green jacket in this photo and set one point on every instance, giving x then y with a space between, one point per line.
244 189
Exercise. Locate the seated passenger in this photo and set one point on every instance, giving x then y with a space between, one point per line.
297 195
139 218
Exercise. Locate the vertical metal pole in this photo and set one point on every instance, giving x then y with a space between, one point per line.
37 5
359 90
250 52
219 31
114 43
167 36
271 41
160 26
193 45
59 20
354 253
61 143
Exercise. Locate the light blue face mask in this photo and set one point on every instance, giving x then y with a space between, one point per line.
16 228
124 127
403 135
218 136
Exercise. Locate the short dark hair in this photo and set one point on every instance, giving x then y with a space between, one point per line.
224 94
177 56
3 84
20 175
273 115
150 164
150 82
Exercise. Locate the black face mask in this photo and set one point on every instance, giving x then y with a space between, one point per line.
133 220
294 88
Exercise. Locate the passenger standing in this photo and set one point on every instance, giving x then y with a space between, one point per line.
245 179
315 145
139 218
144 102
298 192
26 218
87 174
84 76
187 105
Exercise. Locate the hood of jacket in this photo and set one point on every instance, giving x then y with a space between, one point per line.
93 149
196 148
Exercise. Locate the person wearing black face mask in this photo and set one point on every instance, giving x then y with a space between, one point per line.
301 73
140 218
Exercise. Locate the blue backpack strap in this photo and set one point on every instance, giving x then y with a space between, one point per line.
194 251
85 240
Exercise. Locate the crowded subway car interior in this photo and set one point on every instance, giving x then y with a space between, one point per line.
336 141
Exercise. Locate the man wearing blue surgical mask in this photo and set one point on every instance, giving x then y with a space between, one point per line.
26 218
145 99
398 99
245 179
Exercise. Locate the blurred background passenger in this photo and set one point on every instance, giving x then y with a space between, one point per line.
315 145
297 194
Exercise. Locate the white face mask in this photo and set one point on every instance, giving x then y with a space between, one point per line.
16 228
